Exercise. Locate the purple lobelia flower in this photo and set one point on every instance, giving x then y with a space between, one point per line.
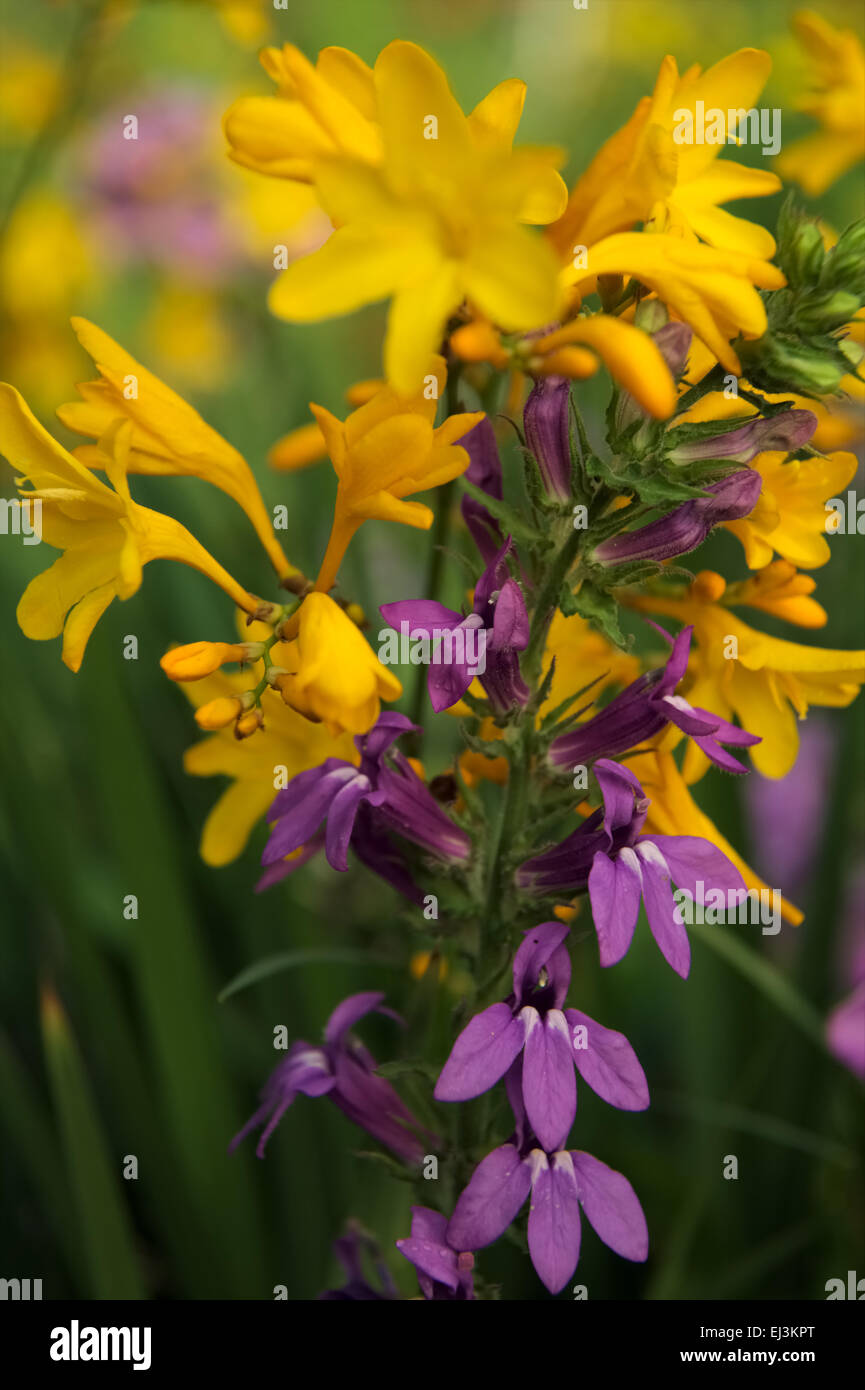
344 1070
485 471
784 432
620 867
547 422
552 1040
495 631
642 710
559 1182
688 525
363 805
350 1250
443 1272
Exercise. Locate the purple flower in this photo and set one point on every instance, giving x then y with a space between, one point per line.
559 1182
784 432
620 867
642 710
485 471
443 1272
363 805
845 1032
552 1040
687 526
343 1069
547 421
498 626
350 1250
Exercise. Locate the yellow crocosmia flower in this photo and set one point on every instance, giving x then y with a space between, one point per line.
307 444
766 681
632 357
649 170
837 101
106 538
436 222
198 659
331 672
286 744
168 436
714 291
780 590
791 518
673 811
385 451
323 110
582 655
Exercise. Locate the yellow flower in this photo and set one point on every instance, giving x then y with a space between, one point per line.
780 590
105 536
837 101
285 745
790 516
642 173
582 655
673 811
323 110
307 444
168 436
632 357
435 222
766 681
385 451
714 291
332 673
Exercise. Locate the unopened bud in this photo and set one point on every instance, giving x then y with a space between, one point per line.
199 659
218 714
248 723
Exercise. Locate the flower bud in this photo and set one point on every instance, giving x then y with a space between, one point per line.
248 723
547 426
784 432
687 526
825 312
196 660
219 713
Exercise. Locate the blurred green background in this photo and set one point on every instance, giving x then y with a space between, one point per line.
131 1052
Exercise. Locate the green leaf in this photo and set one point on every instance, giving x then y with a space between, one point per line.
511 519
105 1230
602 611
306 955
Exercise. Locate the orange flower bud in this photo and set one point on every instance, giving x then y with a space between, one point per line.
248 723
708 586
574 362
479 342
196 660
216 714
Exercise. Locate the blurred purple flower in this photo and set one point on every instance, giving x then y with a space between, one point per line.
350 1250
786 814
444 1273
344 1070
485 471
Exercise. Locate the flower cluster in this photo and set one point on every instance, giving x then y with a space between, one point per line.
586 728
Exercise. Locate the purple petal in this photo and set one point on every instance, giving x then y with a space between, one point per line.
666 927
350 1012
608 1063
481 1054
615 888
554 1219
341 818
535 951
619 787
691 859
549 1083
510 619
422 615
487 1206
611 1205
299 822
427 1247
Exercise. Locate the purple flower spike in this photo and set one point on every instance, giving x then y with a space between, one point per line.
444 1273
620 867
642 710
485 471
363 806
547 420
531 1030
559 1183
688 526
788 430
484 644
343 1069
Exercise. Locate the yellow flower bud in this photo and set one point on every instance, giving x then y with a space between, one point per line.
248 723
196 660
216 714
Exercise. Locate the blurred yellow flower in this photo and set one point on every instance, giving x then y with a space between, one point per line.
432 222
106 538
331 672
780 590
790 516
168 436
583 654
286 744
836 101
766 681
632 357
673 811
385 451
714 291
643 174
307 444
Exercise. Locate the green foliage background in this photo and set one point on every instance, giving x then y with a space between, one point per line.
140 1057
